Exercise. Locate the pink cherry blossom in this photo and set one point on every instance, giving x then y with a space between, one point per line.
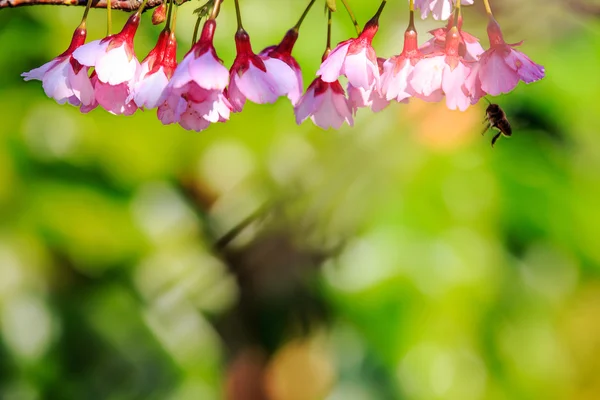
398 70
501 66
64 78
444 72
469 48
326 105
372 98
285 68
440 9
257 79
354 58
115 65
194 97
149 91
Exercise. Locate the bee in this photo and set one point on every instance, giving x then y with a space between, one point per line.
496 118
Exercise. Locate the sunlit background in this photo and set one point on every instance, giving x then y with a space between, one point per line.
403 258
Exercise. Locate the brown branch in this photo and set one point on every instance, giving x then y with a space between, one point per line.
124 5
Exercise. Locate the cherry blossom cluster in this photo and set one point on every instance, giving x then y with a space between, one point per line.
200 90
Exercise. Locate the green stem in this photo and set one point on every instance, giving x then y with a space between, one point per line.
488 9
139 11
196 27
108 17
379 10
306 10
87 9
169 12
216 9
238 14
456 12
328 44
351 14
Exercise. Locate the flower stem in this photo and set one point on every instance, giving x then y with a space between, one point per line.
351 14
379 10
196 27
238 14
306 10
456 12
169 9
85 13
141 8
411 18
216 9
488 9
108 17
328 44
174 21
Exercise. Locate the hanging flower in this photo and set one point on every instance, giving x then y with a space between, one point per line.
444 73
64 79
284 68
501 66
354 58
194 96
253 78
326 105
149 91
115 65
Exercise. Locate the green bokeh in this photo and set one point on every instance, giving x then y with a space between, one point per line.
420 264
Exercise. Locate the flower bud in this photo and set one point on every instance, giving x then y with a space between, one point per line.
159 14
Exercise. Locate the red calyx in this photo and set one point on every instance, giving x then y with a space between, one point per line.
495 33
169 61
78 40
245 55
205 43
125 36
283 51
321 87
156 55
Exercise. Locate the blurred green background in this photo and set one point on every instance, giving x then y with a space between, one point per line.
403 258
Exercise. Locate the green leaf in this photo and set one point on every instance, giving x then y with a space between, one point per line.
330 4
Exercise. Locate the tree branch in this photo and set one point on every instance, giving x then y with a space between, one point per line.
124 5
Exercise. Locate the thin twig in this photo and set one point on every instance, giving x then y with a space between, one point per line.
123 5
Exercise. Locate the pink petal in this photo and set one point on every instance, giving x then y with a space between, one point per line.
528 70
190 120
235 96
257 86
90 52
38 73
170 111
82 86
496 75
306 105
115 67
359 70
56 84
150 92
452 84
113 98
441 9
284 78
394 85
333 111
331 68
182 75
427 75
208 72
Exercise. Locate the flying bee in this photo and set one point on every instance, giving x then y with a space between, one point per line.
496 118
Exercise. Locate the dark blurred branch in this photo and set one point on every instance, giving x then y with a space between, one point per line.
125 5
585 7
